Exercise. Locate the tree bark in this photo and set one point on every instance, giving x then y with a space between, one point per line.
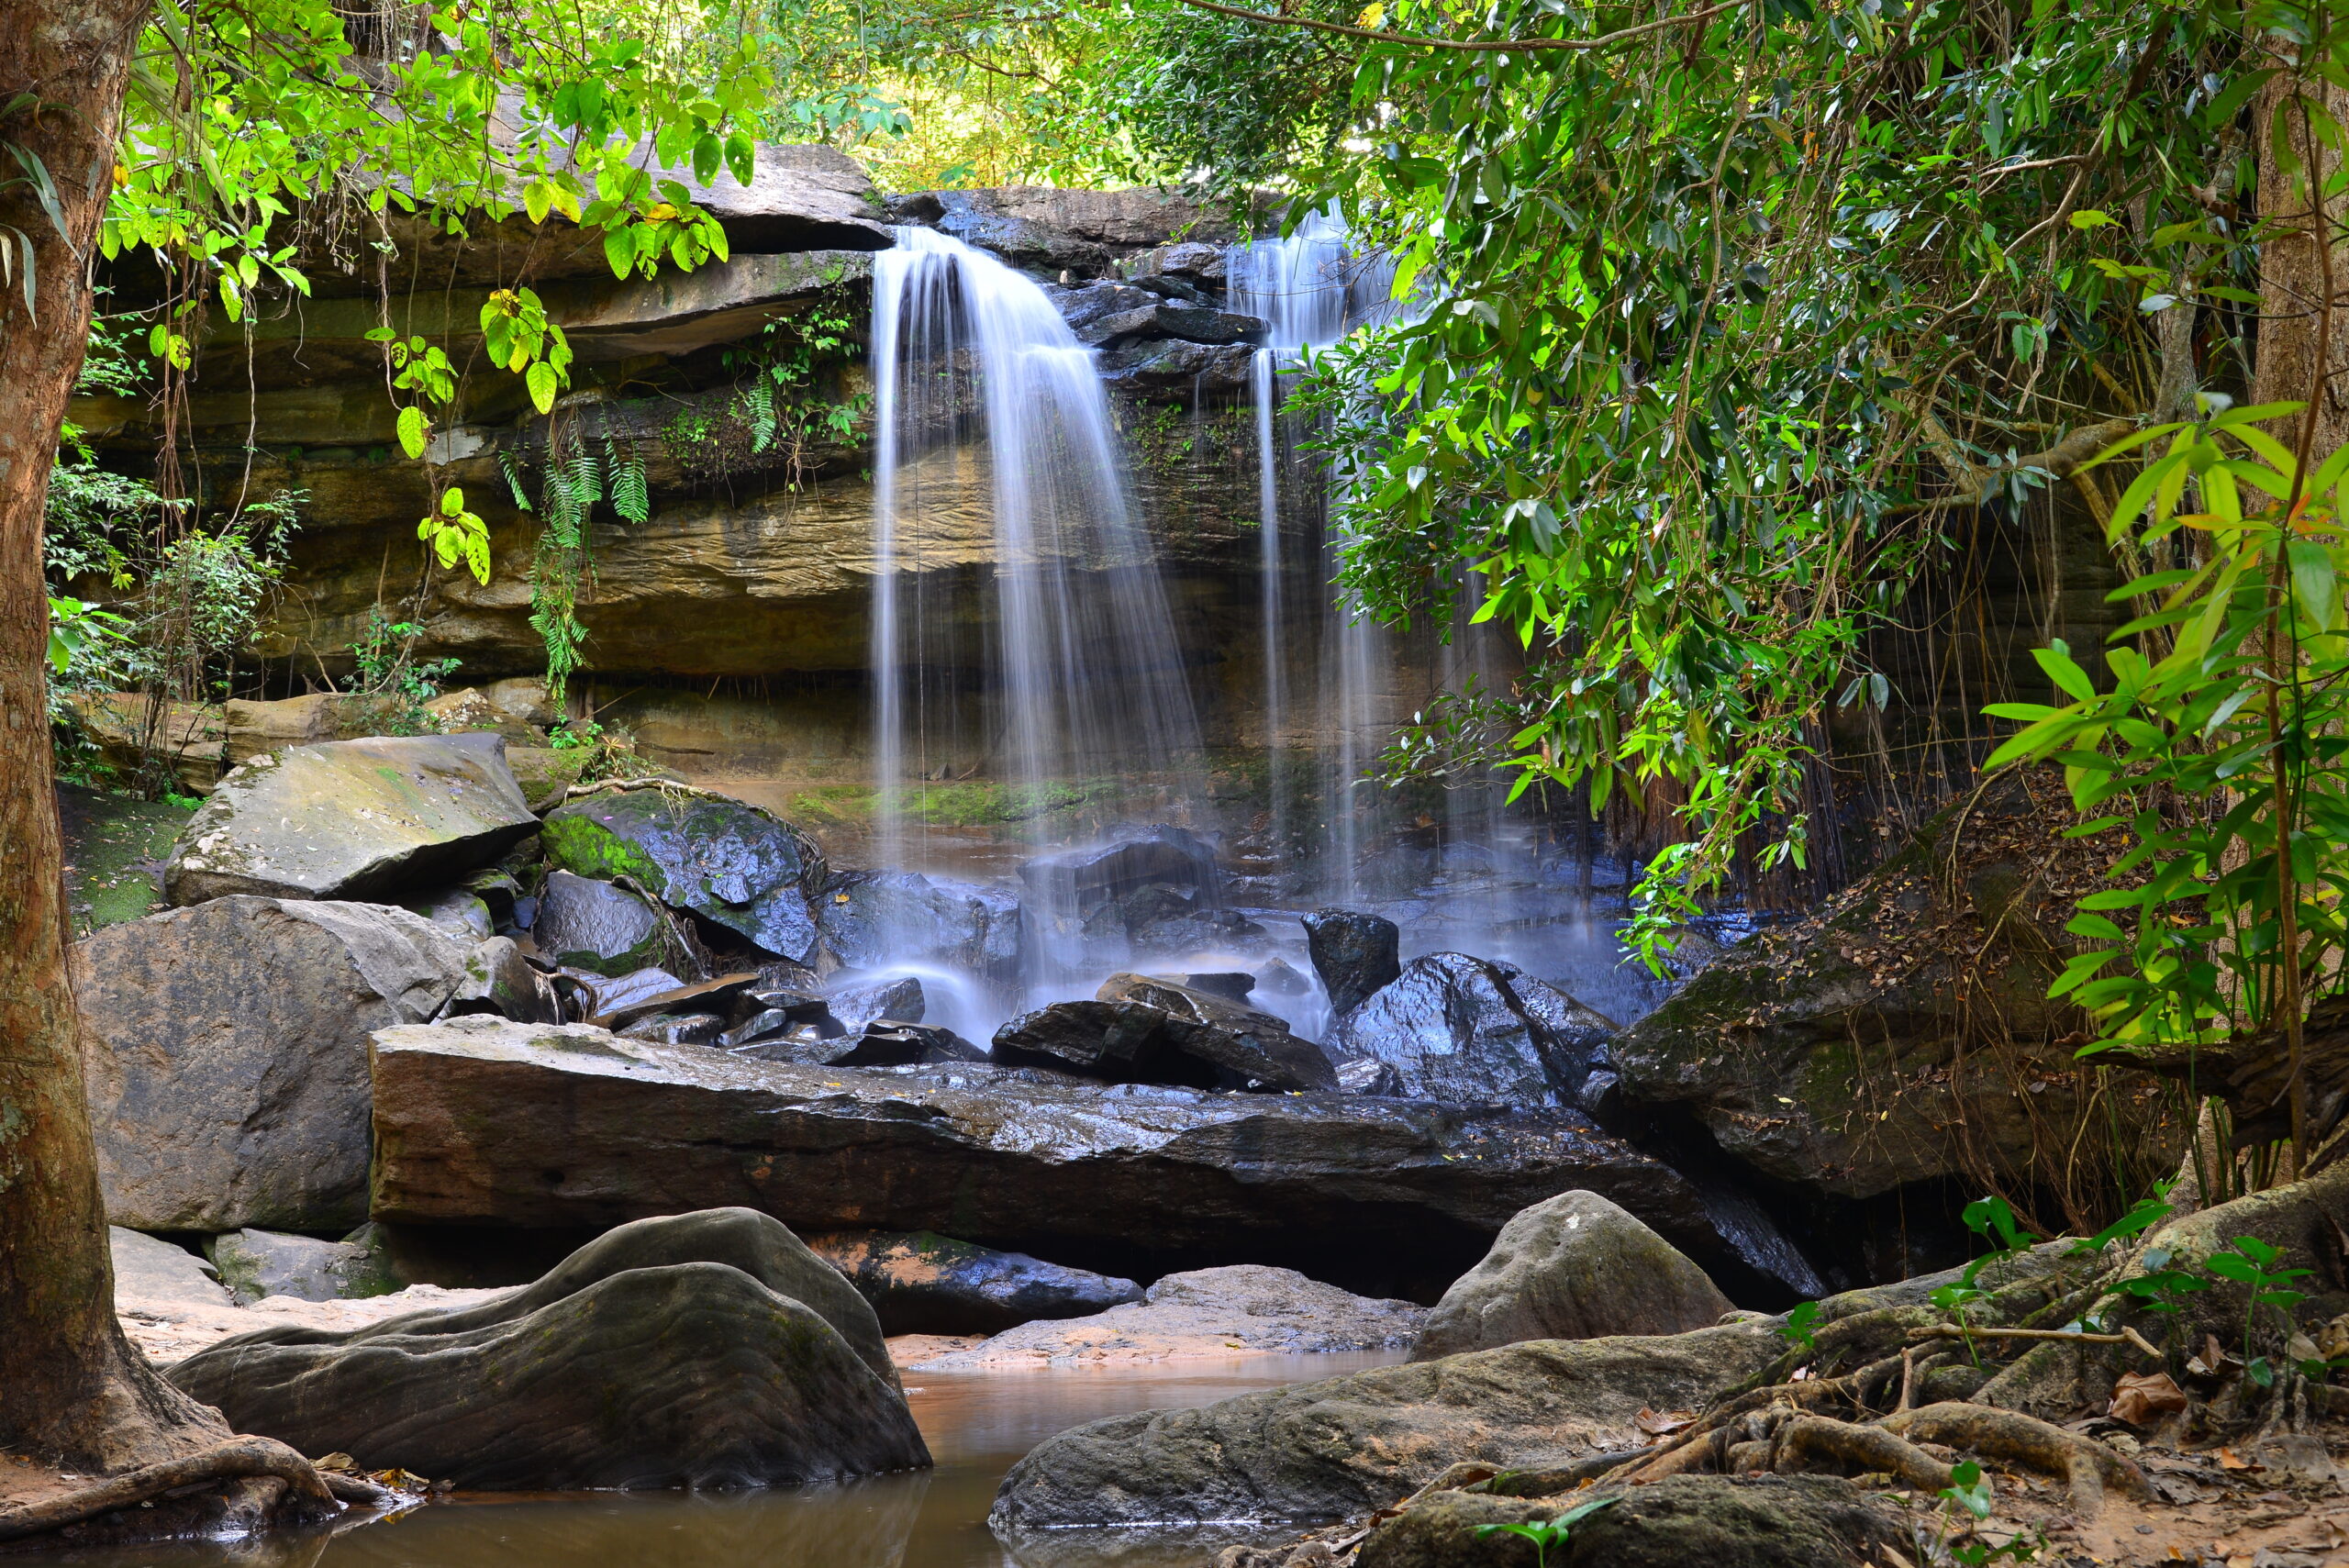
72 1392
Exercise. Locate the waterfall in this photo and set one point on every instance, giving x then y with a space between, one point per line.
1009 564
1310 290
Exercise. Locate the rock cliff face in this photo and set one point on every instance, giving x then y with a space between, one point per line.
756 561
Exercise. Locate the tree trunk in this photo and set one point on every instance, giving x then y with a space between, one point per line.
72 1392
2291 275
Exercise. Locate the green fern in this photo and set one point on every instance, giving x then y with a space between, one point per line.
631 491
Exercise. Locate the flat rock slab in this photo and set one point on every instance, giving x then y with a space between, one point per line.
481 1120
225 1055
707 1348
927 1283
351 819
1243 1309
151 1267
1321 1450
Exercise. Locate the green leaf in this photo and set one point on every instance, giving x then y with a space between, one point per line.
2314 583
541 381
619 249
2057 662
412 430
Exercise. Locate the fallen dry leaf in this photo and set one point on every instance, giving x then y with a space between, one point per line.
1664 1423
2141 1398
2213 1361
2229 1460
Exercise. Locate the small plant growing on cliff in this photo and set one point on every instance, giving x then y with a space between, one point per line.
1797 1329
1992 1218
1547 1533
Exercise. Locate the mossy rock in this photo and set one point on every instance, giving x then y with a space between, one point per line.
1763 1521
727 861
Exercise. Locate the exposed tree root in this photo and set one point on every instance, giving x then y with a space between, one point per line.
241 1459
2009 1435
1864 1448
1684 1454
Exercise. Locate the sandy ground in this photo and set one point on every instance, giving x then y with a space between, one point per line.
169 1327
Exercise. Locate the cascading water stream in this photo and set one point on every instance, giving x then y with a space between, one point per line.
1309 290
996 458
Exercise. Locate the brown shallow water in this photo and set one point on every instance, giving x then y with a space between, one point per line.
977 1425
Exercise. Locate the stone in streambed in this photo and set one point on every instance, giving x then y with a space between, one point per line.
871 920
1574 1267
224 1052
709 1349
900 1001
1355 955
929 1283
587 923
499 979
727 861
1346 1445
351 819
485 1121
1244 1308
1138 1029
1476 1030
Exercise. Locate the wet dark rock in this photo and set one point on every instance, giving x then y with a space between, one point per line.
1369 1075
585 923
1173 859
1173 369
1720 1521
1571 1267
1184 933
722 994
1193 262
1834 1055
1230 984
1355 955
587 994
706 1349
870 920
1151 1031
928 1284
1373 1436
1161 318
901 1001
1476 1030
1083 307
483 1121
727 862
678 1029
888 1043
348 820
499 979
225 1054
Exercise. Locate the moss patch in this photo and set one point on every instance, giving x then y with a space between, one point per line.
115 845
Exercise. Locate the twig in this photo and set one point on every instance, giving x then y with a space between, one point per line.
2127 1336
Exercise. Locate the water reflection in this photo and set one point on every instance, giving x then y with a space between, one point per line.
978 1426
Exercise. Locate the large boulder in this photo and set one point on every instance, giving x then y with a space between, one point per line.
1355 955
1572 1267
729 863
929 1283
1904 1033
585 923
1054 230
709 1349
1346 1445
1145 1031
482 1121
225 1050
899 1001
1475 1030
1210 1313
351 819
873 919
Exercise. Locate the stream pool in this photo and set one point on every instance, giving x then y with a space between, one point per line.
978 1426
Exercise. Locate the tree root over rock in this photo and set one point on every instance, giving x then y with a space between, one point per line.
2088 1465
242 1459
